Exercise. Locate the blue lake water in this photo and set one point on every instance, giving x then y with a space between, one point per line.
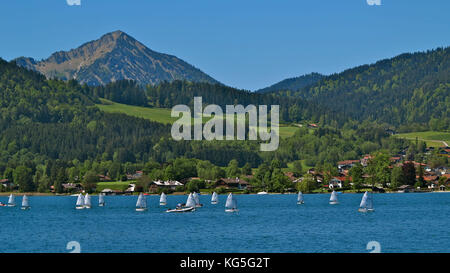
412 222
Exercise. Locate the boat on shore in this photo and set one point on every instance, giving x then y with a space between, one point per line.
262 192
300 198
366 204
334 199
231 204
25 203
141 204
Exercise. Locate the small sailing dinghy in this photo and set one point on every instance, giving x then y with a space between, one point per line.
333 198
80 202
231 204
300 198
366 203
141 204
189 206
25 204
101 200
197 200
11 201
163 200
87 201
214 198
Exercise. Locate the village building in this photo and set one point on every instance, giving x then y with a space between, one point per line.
230 183
168 184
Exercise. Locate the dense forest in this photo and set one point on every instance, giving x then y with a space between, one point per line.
410 92
51 131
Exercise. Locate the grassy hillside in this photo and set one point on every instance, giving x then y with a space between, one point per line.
432 138
162 115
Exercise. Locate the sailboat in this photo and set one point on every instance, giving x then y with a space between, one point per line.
366 203
11 201
25 204
231 204
197 200
333 198
87 201
214 198
300 198
101 200
80 202
163 199
141 204
189 206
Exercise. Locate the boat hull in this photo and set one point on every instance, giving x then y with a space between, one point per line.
25 208
214 202
87 207
101 205
141 209
300 203
162 203
365 210
334 203
186 209
231 210
79 207
11 205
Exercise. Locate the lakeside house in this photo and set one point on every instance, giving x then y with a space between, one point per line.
347 164
230 183
6 183
103 178
169 184
406 188
135 176
72 187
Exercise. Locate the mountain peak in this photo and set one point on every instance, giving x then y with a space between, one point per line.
115 56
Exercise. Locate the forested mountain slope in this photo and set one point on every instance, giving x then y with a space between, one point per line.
407 90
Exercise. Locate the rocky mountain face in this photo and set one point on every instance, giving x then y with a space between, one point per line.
115 56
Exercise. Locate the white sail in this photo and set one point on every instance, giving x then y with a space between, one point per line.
214 198
141 202
80 200
333 197
231 202
190 201
101 199
11 200
363 203
87 200
25 203
300 197
163 198
369 202
196 198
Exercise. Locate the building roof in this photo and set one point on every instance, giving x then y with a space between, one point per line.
233 180
168 183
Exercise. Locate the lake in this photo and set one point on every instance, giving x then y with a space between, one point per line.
404 222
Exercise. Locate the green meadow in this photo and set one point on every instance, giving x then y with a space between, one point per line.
432 138
162 115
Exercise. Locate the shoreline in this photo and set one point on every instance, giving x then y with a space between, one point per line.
4 194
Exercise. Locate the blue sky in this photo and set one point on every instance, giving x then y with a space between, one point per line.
247 44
